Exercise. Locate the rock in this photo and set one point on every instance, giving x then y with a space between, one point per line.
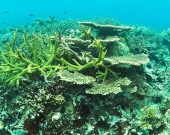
6 37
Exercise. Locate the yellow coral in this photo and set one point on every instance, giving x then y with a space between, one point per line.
60 99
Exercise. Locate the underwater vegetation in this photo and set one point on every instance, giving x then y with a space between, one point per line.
72 78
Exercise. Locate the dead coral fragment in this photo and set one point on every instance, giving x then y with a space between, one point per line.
131 59
76 78
114 87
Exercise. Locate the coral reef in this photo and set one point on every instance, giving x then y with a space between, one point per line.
98 77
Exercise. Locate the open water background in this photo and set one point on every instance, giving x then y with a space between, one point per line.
154 14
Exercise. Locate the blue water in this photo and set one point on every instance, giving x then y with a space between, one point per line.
150 13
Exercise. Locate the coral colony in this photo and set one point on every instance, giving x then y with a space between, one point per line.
84 78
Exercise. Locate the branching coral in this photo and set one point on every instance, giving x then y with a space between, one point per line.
86 33
32 56
35 56
44 56
96 62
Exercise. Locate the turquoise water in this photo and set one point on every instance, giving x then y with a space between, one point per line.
150 13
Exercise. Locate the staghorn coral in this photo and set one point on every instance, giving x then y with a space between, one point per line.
43 56
32 56
114 87
86 33
111 114
95 62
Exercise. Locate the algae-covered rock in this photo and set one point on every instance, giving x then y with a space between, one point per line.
6 37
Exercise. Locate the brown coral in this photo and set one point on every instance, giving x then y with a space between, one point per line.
114 87
76 78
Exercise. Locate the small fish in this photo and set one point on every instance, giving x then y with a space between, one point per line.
106 82
122 39
6 12
30 15
64 13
